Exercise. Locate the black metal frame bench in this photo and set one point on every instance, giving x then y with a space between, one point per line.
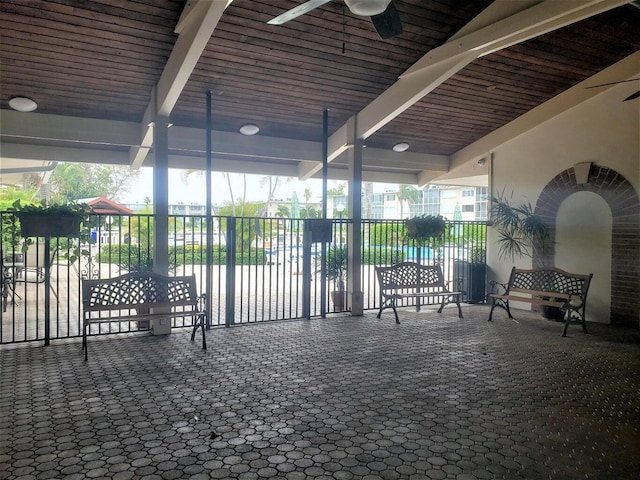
141 296
548 286
413 280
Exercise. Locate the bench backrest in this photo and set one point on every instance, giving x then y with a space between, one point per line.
549 279
410 275
138 290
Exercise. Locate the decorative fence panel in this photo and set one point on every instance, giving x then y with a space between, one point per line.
257 269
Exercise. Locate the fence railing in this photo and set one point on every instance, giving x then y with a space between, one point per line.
260 269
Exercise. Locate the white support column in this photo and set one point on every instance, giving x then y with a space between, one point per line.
161 196
354 272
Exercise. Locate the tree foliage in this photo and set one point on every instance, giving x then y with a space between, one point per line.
408 194
283 211
246 231
337 191
386 234
10 228
73 181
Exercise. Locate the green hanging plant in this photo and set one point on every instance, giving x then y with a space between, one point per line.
424 229
54 220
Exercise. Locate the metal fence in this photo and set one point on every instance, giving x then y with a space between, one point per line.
260 269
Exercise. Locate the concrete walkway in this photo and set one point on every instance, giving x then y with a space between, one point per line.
435 397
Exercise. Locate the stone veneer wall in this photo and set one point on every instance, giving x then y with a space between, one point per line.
624 203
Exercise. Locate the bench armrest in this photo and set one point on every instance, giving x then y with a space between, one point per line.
201 303
497 286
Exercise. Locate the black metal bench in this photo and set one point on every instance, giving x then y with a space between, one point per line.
413 280
141 296
545 286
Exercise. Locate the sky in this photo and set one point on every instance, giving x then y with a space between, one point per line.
192 189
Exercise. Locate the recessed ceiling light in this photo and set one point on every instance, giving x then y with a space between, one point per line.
23 104
249 129
401 147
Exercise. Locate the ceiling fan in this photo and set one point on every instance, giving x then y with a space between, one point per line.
384 16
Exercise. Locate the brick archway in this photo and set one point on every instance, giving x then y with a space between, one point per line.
624 203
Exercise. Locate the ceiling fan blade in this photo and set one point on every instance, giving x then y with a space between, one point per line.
387 23
297 11
632 96
613 83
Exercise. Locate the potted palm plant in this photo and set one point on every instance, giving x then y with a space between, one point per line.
336 267
520 230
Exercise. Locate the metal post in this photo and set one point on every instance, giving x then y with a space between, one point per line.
209 220
325 173
231 272
306 271
47 291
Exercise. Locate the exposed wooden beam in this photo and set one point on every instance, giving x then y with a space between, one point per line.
60 128
195 28
493 33
19 152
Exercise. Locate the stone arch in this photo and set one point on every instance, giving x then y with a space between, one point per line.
624 203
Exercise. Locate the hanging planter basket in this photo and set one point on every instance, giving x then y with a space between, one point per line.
39 225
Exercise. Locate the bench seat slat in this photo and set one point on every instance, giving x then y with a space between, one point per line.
144 316
422 294
535 301
540 293
123 306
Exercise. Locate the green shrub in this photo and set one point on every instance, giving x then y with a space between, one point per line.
382 256
135 258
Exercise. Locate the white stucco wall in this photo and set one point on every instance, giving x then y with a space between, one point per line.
580 248
604 131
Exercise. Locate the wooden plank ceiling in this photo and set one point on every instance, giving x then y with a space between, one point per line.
100 59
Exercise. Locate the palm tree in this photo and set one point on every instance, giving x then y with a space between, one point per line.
409 194
367 199
307 197
283 211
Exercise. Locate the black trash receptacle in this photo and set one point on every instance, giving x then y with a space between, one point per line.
469 277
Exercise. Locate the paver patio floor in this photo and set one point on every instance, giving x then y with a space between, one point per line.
435 397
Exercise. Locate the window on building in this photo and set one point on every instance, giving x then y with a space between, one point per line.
468 192
467 208
447 209
391 198
482 203
377 211
430 202
449 193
